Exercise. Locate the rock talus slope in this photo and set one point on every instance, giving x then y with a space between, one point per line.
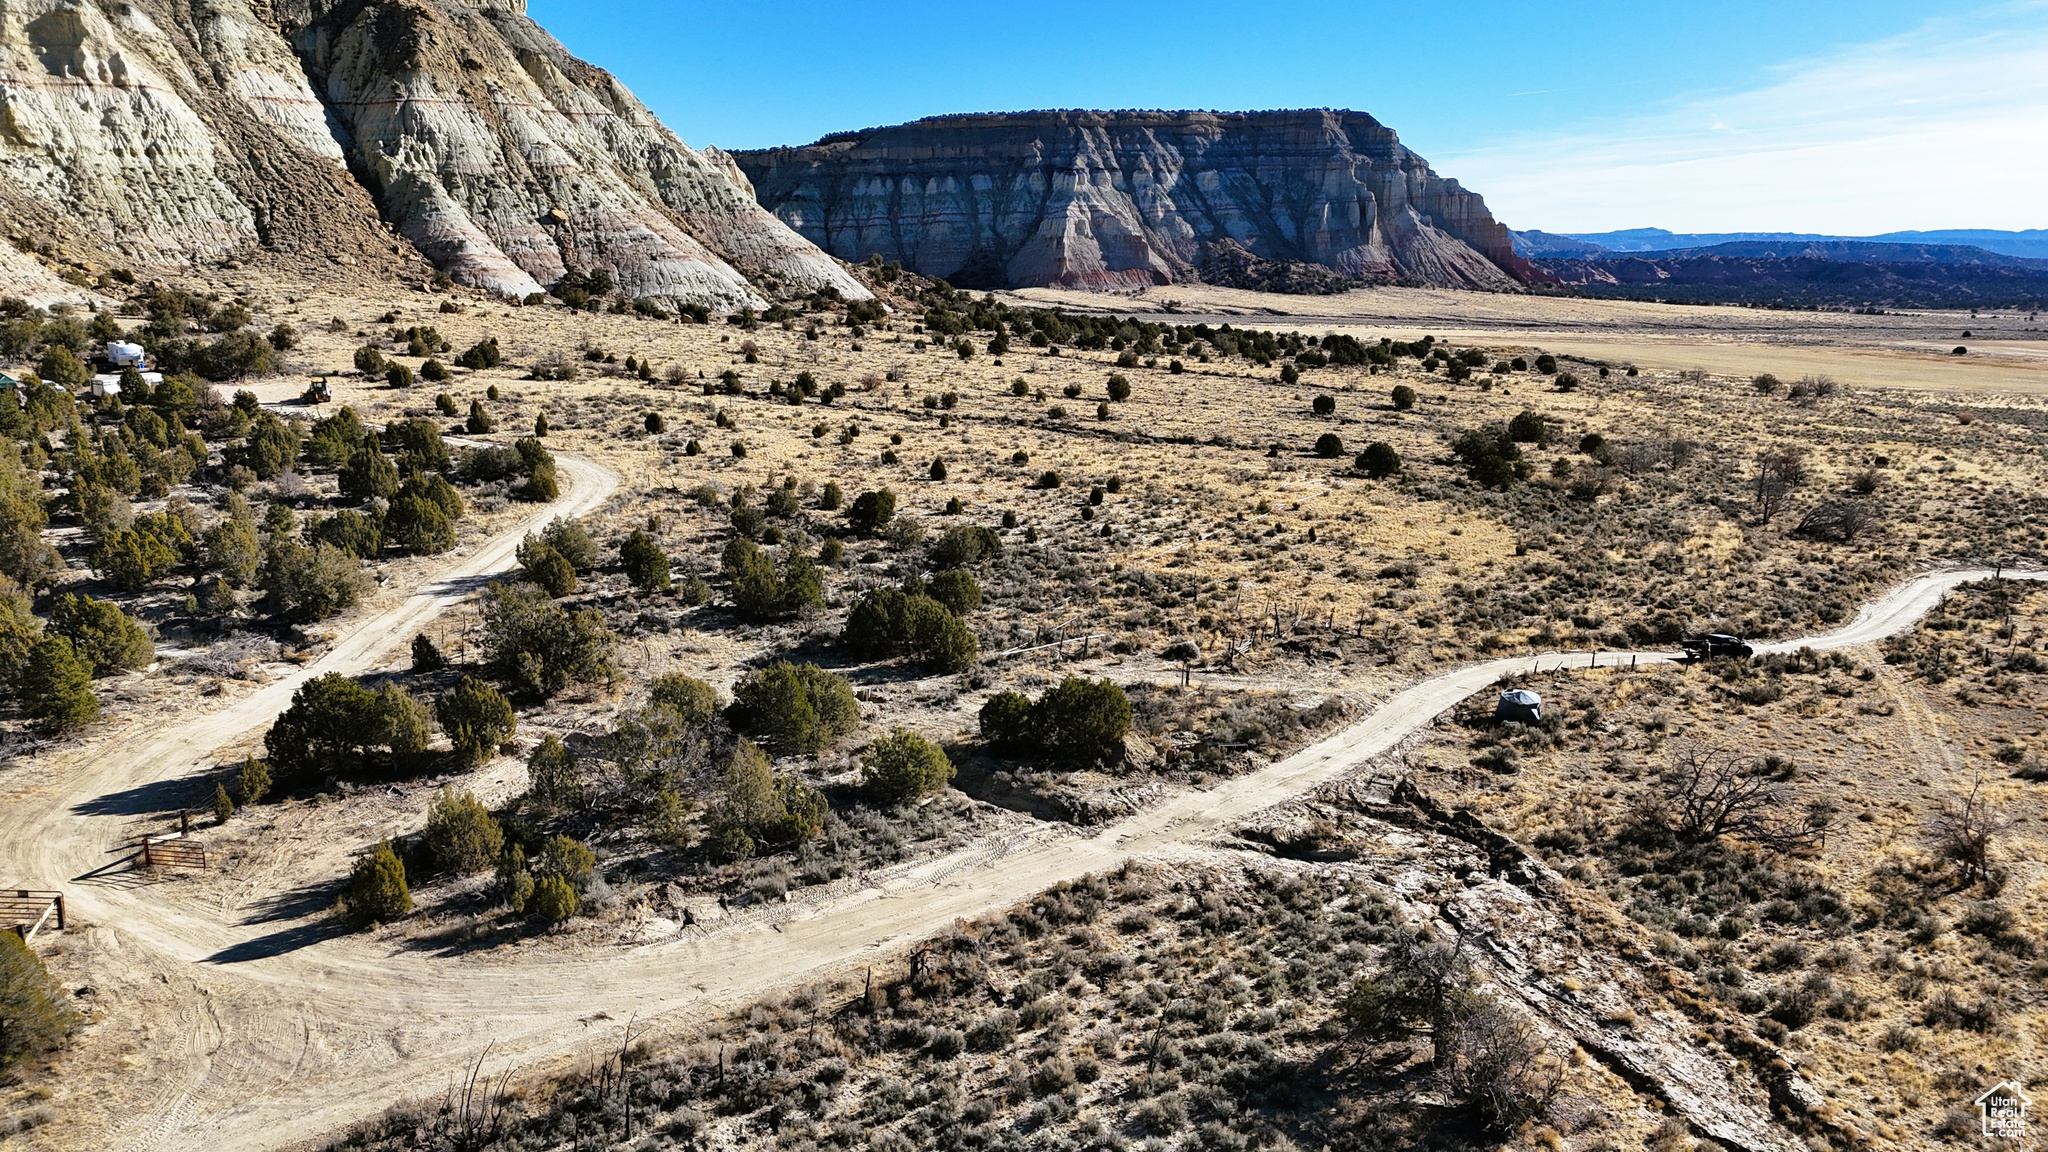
1114 199
169 132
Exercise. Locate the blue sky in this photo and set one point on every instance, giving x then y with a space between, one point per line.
1729 115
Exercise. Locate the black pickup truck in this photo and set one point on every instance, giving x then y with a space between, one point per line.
1714 645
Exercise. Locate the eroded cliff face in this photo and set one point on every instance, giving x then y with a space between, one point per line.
167 132
157 133
509 161
1095 199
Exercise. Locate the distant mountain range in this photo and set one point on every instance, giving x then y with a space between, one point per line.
1960 268
2031 244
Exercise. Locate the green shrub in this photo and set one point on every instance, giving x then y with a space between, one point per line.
1006 720
760 591
223 804
56 687
254 782
541 646
1529 427
1491 457
1082 720
793 709
106 638
398 376
132 559
377 890
334 439
1324 405
903 766
425 656
434 371
755 807
311 583
545 567
351 533
481 355
959 592
34 1018
333 722
418 445
1379 460
477 719
479 421
1329 445
645 563
1119 387
419 525
461 835
61 365
871 511
403 721
368 474
569 538
689 699
1404 397
539 466
964 545
552 779
891 622
553 900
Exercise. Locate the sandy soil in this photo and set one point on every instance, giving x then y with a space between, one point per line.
2008 352
244 1031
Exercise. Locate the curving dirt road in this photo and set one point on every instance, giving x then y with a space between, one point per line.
275 1031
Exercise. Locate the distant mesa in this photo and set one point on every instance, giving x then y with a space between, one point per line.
1308 201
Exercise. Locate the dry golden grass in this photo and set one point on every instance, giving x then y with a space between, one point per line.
1888 745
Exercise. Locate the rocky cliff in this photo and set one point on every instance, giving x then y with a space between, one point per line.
1111 199
166 132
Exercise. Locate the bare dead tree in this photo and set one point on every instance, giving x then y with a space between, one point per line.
1811 389
1777 474
1481 1049
1708 793
1836 521
1966 831
1789 831
1503 1066
475 1109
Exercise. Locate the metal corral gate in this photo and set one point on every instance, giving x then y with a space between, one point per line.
27 910
172 851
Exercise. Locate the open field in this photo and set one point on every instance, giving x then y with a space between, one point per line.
2008 352
1333 618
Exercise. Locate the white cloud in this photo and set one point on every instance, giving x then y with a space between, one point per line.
1944 127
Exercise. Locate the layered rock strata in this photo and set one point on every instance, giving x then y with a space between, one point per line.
169 132
1116 199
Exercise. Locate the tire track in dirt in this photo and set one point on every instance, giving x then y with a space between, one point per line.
54 834
438 1012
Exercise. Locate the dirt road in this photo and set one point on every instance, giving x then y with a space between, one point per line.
266 1028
